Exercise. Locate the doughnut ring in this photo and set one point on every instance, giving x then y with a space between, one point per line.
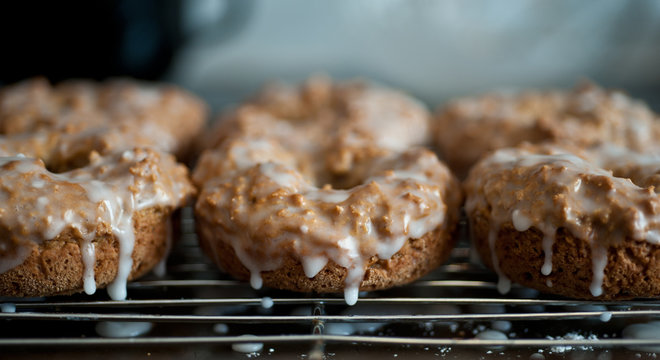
322 189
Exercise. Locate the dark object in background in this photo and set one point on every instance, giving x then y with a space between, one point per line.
88 39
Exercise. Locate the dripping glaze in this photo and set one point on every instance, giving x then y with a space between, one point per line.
38 205
547 188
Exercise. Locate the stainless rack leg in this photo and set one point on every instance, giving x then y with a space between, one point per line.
318 349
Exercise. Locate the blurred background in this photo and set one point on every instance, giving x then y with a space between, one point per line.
225 49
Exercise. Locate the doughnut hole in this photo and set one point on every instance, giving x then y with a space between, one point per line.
322 188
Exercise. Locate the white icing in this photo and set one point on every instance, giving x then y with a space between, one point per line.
569 194
8 308
305 215
389 116
281 178
221 329
101 196
255 279
329 196
503 283
313 264
520 221
38 183
351 294
501 325
548 241
119 212
598 264
272 173
126 237
491 335
88 251
247 347
122 329
606 316
42 201
266 302
643 331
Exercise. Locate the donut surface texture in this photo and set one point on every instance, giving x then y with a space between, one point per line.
98 225
86 192
468 128
61 124
578 223
322 189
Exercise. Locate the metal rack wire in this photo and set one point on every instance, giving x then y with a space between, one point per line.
438 316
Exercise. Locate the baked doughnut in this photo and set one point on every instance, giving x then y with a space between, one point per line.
98 225
467 128
61 124
578 223
84 201
321 189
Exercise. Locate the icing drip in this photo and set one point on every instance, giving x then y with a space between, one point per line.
255 279
602 196
116 210
643 331
548 241
247 347
598 263
75 117
87 202
312 265
503 283
126 236
122 329
322 224
88 251
520 221
318 176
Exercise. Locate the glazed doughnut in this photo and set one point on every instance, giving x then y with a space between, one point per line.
468 128
578 223
98 225
61 124
322 189
84 202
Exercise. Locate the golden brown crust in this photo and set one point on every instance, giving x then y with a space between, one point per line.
307 188
56 268
632 269
415 259
559 221
466 129
117 129
62 124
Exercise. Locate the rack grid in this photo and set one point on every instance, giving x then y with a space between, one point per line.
196 311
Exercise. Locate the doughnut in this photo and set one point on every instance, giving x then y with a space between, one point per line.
323 188
468 128
86 185
95 226
581 223
61 124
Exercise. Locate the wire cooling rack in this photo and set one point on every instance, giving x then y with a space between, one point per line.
195 311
